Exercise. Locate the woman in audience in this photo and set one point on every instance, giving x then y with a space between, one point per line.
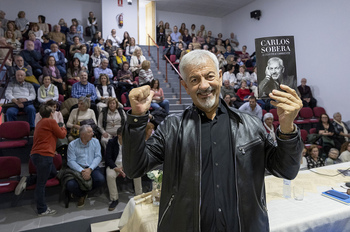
160 33
75 47
268 124
254 82
193 32
169 48
158 97
345 152
52 71
37 43
104 90
73 71
110 48
313 160
182 29
303 162
332 158
124 80
244 91
80 29
243 75
231 60
97 57
326 129
11 26
42 25
37 32
200 38
10 39
129 50
120 58
204 32
64 27
221 58
167 30
22 23
220 47
227 99
126 40
83 112
96 37
83 57
227 43
342 131
100 43
110 119
145 75
189 48
195 43
47 91
136 60
244 55
57 114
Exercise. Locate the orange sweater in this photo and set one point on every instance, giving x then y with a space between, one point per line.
45 137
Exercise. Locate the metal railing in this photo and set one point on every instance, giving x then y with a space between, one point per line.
9 53
149 49
177 71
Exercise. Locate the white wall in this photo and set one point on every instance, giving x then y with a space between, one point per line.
321 41
110 11
176 19
53 10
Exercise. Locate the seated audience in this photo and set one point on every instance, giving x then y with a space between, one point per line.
234 42
83 158
63 26
187 37
145 75
169 48
229 75
326 129
221 48
103 69
97 57
96 37
254 82
244 91
43 26
72 33
124 80
19 65
232 60
229 51
341 130
110 49
57 36
83 57
92 23
221 58
182 28
158 97
22 94
126 40
37 32
22 23
193 31
75 47
303 162
136 60
345 152
129 50
84 88
244 55
56 114
227 99
52 71
160 33
59 59
119 59
313 160
46 44
181 42
3 19
200 38
212 40
73 71
11 40
13 28
252 107
219 37
268 124
333 157
80 29
111 118
37 43
207 45
306 94
99 43
33 58
114 168
178 51
202 29
175 35
104 90
195 43
227 43
243 75
116 41
47 91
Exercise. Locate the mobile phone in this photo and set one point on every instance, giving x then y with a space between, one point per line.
338 194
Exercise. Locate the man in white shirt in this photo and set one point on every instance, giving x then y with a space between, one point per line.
115 39
252 107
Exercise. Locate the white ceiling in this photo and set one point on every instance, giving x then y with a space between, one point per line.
211 8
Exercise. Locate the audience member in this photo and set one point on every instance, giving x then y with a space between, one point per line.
73 71
244 55
19 65
202 29
306 94
175 35
179 49
145 75
333 157
80 29
235 101
110 49
59 59
229 75
37 43
32 58
193 32
100 43
37 32
84 88
234 41
97 57
221 48
92 23
303 162
47 91
244 91
72 33
11 26
254 82
345 152
57 36
182 29
126 40
75 47
119 59
43 25
160 33
168 31
136 60
129 50
229 51
114 168
227 99
22 23
341 130
186 37
52 71
313 160
63 26
252 107
212 40
83 57
243 75
169 48
104 90
22 94
124 80
11 40
158 97
111 118
268 124
195 44
96 37
200 38
116 41
84 156
326 129
3 19
57 116
103 69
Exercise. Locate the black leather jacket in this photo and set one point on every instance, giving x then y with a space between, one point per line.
177 144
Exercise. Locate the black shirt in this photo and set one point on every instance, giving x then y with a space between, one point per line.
218 191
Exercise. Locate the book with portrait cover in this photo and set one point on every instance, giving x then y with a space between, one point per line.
275 61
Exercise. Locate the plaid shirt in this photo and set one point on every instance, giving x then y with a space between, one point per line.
80 90
311 163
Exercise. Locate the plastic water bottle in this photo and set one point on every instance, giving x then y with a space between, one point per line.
287 190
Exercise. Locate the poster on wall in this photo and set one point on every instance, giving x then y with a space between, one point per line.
275 61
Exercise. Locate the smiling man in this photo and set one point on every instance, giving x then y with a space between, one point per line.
214 157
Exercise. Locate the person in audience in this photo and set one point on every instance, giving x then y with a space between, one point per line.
104 90
333 157
80 29
92 23
124 80
57 36
268 124
227 99
195 44
111 118
234 41
243 75
160 33
178 51
207 43
72 33
244 55
169 48
341 130
126 40
175 35
96 37
254 82
3 20
75 47
59 59
167 29
145 75
326 129
193 31
37 43
83 158
212 40
57 115
22 23
73 71
47 91
11 26
22 94
229 51
235 101
306 94
182 29
80 114
244 91
84 88
200 38
97 57
83 57
202 29
63 26
186 37
100 43
113 159
11 40
43 150
43 26
129 50
189 48
251 107
2 31
103 69
181 42
220 57
120 58
32 57
303 162
227 43
52 71
37 32
116 41
219 37
19 65
158 97
110 48
221 48
136 60
345 152
230 75
313 159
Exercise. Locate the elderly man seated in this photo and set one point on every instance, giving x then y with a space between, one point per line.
103 69
306 94
29 77
32 57
57 36
59 57
22 94
83 158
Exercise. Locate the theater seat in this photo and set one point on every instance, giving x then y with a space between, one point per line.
12 134
9 167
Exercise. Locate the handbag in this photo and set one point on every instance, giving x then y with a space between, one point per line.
89 122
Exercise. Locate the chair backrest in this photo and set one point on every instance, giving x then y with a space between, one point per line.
57 161
312 131
264 112
172 58
303 134
9 166
306 113
14 129
274 113
318 111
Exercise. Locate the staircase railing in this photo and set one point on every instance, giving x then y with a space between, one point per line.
9 53
149 49
166 74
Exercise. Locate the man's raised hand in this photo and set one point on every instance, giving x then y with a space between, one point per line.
140 100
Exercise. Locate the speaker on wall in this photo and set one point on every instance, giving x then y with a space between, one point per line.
255 14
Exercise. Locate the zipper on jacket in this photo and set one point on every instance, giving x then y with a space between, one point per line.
166 209
249 145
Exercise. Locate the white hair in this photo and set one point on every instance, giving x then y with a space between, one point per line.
84 129
275 59
195 58
267 115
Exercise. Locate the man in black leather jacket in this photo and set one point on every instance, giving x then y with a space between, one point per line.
181 145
